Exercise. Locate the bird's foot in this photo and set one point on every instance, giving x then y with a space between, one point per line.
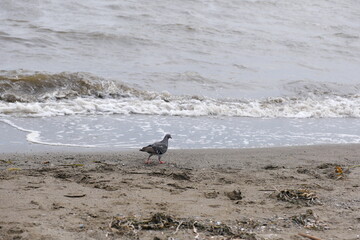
147 162
161 162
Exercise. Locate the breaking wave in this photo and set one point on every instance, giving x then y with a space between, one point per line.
42 95
41 87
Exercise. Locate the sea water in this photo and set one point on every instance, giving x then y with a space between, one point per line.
214 74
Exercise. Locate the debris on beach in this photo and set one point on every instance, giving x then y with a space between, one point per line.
234 195
75 165
212 194
56 206
271 167
248 223
298 196
5 161
337 172
14 169
131 226
72 165
308 236
308 220
75 195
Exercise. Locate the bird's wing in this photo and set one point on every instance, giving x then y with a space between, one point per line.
159 147
148 149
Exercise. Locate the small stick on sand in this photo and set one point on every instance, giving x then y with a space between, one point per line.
276 190
177 229
308 236
74 195
195 231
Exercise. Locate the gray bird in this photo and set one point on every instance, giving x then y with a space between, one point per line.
157 148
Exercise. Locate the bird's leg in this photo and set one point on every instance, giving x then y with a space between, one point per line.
161 162
148 160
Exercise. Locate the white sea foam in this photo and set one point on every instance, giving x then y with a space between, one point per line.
316 107
45 94
34 136
126 131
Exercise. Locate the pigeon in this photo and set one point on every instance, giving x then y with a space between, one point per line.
157 148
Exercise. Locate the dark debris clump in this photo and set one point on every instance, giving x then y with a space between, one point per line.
308 220
131 226
298 196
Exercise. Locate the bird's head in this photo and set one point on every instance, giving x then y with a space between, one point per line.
167 136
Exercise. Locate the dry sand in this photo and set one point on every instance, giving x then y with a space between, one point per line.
272 193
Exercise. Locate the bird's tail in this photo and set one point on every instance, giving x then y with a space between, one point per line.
144 149
148 149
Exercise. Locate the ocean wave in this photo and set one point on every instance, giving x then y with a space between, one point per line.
43 95
186 106
17 86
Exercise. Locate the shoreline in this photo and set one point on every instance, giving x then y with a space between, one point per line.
229 193
74 133
207 157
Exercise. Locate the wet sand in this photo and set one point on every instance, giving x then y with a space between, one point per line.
270 193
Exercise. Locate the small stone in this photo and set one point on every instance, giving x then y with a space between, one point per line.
234 195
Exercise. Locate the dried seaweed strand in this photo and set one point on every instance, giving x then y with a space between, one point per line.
195 231
308 236
355 166
177 229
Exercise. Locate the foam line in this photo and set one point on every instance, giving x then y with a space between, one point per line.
34 136
336 107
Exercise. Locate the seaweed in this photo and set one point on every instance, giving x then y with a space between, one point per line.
213 194
309 220
131 226
298 196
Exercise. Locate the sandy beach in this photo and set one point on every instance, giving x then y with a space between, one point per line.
266 193
261 98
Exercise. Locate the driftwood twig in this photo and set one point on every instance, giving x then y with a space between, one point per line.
195 231
308 236
177 229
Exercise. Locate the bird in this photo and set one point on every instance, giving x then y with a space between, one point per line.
157 148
